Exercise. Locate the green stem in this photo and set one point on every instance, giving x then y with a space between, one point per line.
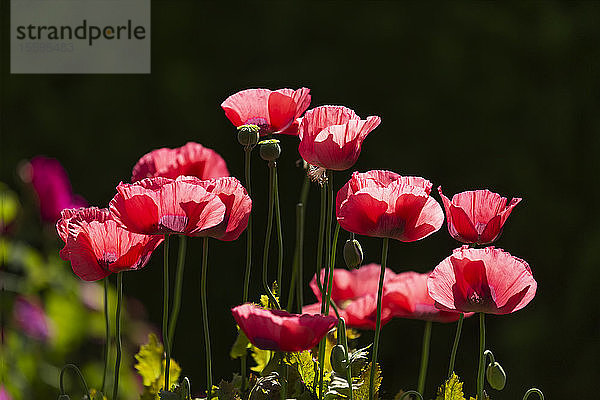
411 393
455 344
165 320
205 317
384 253
424 357
344 341
279 237
266 287
480 370
79 374
296 276
321 237
118 333
247 152
331 267
107 325
178 289
531 391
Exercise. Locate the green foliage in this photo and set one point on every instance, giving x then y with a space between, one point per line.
150 365
364 380
240 346
305 365
9 206
261 358
452 389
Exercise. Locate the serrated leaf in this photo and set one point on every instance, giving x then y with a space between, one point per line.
227 391
305 365
151 365
240 346
452 389
261 358
362 392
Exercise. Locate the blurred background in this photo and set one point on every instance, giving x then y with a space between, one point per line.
471 95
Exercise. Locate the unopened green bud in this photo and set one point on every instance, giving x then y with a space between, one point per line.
248 135
496 376
270 150
339 359
353 254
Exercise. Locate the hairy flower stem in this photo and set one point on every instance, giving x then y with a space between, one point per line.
178 289
296 281
455 344
205 316
279 237
481 369
248 153
424 357
107 342
321 238
165 319
79 374
118 333
384 254
272 183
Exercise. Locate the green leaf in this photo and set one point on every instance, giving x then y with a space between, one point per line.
241 345
305 365
261 358
227 391
9 206
452 389
362 392
151 365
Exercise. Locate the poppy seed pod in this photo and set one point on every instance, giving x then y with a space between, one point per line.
339 359
270 150
248 135
496 376
353 254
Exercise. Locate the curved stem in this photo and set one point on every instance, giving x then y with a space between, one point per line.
266 287
411 393
279 236
424 357
118 333
247 152
165 319
455 344
531 391
79 374
480 370
107 325
384 253
205 316
178 289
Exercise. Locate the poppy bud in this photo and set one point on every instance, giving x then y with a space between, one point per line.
270 149
339 359
496 376
353 254
248 135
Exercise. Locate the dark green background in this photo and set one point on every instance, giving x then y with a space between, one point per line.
471 95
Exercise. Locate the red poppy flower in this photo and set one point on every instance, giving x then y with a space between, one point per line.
273 111
477 216
280 330
355 293
158 206
406 296
52 187
331 136
482 280
98 247
193 159
237 207
385 204
87 214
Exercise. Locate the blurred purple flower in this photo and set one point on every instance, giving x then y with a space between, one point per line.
51 184
31 319
4 394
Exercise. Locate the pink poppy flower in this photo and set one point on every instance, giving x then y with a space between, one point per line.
159 206
4 394
482 280
193 159
477 216
406 296
98 247
355 293
279 330
385 204
52 187
273 111
331 136
31 318
237 207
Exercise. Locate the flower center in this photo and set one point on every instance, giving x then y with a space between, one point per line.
475 298
262 123
108 258
173 223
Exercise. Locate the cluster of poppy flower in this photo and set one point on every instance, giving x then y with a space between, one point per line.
187 191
